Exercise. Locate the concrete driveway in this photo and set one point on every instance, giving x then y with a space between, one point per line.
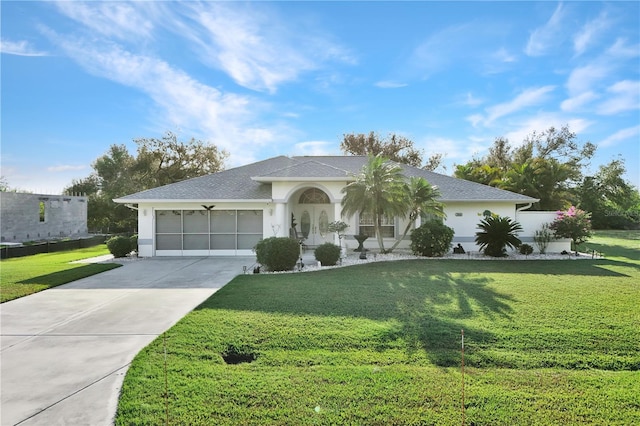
64 351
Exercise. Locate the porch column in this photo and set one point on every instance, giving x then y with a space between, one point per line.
278 222
337 209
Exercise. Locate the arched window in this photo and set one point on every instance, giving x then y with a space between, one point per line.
314 196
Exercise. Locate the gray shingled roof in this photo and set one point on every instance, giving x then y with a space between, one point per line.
251 182
306 169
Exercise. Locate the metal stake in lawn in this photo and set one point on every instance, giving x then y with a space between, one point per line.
462 377
166 382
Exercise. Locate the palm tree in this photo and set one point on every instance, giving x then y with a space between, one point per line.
379 190
420 197
496 234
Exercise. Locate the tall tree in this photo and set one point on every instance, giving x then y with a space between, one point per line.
166 160
379 191
420 198
612 201
546 165
395 148
157 162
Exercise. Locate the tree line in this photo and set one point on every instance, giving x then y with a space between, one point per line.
549 165
156 162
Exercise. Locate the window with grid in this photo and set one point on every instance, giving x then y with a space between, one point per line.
387 226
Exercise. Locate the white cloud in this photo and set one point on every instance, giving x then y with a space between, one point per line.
578 101
19 48
542 38
125 21
228 120
620 49
475 119
65 168
390 84
544 121
589 32
453 149
625 96
621 135
527 98
503 55
315 148
472 101
583 79
253 46
457 44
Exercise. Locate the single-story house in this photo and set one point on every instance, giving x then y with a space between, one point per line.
228 212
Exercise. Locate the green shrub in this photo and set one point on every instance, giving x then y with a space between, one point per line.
327 254
134 242
525 249
432 239
496 233
543 237
278 253
119 246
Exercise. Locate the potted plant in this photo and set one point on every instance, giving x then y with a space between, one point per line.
338 227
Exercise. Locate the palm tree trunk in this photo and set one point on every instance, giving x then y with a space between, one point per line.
406 231
377 220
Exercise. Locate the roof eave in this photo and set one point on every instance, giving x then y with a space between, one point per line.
484 200
195 200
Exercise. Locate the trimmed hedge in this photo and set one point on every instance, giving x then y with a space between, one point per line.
119 246
278 253
432 239
525 249
327 254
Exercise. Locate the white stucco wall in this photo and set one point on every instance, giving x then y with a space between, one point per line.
532 222
463 217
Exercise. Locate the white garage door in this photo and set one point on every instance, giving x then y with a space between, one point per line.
203 232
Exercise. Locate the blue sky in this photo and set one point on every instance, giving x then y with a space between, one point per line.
290 78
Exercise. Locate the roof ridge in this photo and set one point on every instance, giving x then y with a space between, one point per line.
300 161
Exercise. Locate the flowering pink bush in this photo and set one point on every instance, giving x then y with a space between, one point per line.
573 223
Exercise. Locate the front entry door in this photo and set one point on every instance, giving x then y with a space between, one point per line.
314 223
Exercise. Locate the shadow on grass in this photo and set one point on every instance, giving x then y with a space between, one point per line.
430 306
431 300
55 279
622 254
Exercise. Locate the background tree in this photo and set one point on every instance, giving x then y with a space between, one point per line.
394 147
547 165
4 185
157 162
613 202
377 191
166 160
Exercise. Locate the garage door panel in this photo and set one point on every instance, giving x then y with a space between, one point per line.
169 242
248 242
250 221
196 242
185 232
196 222
223 242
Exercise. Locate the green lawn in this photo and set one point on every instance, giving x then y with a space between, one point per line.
546 342
22 276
